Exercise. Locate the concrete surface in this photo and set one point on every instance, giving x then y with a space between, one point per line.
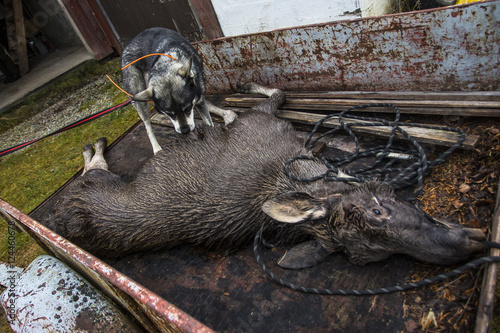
42 71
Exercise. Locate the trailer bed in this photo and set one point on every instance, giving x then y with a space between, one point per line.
231 293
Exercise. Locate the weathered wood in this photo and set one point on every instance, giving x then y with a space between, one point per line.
431 107
422 135
207 19
87 26
428 95
21 48
487 299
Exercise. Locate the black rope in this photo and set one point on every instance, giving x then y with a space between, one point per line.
417 167
70 126
382 169
385 290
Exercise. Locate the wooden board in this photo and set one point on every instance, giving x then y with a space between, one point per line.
422 107
422 135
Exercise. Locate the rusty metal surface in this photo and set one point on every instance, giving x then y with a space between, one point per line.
447 49
454 48
160 314
231 293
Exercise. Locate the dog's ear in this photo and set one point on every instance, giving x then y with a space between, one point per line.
144 96
185 70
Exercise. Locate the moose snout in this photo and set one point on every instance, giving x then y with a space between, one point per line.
460 245
475 236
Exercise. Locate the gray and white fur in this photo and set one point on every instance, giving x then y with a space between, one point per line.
176 87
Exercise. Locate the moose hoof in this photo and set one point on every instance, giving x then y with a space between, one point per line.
102 141
88 147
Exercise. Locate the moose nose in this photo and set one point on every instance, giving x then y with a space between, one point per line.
475 234
185 129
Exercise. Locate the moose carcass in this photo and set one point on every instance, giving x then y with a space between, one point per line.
219 189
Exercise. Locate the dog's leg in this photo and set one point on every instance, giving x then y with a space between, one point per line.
142 110
228 115
134 82
201 107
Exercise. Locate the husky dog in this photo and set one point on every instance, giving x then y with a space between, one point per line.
175 83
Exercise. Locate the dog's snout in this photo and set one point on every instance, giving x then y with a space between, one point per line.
185 129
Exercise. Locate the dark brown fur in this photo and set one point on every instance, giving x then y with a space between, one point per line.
220 190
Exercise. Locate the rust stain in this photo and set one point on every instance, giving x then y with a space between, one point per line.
446 49
166 315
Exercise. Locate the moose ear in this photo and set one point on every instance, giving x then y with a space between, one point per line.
185 70
144 96
304 255
294 207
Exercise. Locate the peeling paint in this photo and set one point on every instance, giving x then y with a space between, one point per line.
454 48
153 312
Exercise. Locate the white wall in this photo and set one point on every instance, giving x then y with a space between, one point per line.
376 7
250 16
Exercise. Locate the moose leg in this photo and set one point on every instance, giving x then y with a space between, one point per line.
270 105
95 160
228 115
88 153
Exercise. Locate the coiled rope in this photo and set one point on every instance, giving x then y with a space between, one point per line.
387 155
417 168
369 292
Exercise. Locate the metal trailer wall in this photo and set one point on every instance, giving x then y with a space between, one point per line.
454 48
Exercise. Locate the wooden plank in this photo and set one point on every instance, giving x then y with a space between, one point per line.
207 19
431 107
487 299
130 17
87 26
422 135
104 25
22 51
428 95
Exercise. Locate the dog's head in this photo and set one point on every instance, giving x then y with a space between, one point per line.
175 94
